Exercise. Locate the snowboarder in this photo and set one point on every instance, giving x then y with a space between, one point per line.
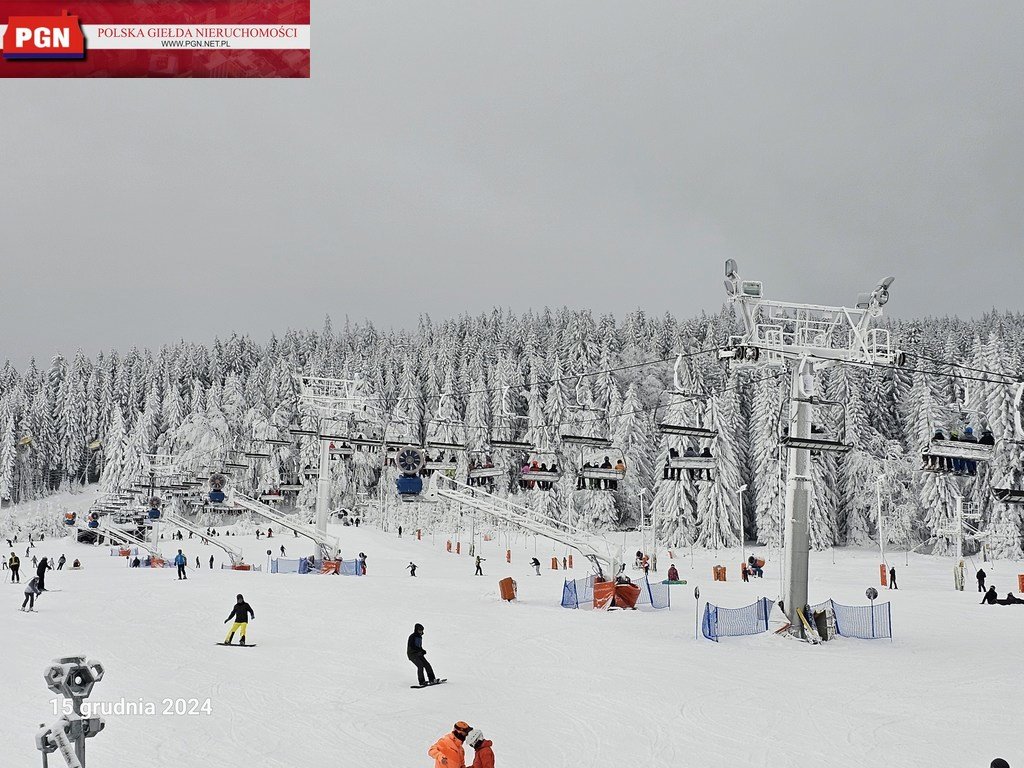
536 565
14 563
990 597
448 751
241 613
411 567
418 656
31 591
479 566
41 569
60 563
484 756
892 578
981 579
181 561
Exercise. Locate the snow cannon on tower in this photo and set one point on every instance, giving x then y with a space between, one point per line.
217 483
410 461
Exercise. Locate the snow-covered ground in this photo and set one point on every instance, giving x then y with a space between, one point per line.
329 682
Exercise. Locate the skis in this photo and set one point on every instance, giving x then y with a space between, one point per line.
809 630
428 685
239 645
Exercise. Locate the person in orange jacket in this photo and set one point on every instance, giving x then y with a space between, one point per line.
484 757
448 751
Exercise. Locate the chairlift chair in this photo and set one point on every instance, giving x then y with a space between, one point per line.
955 456
819 440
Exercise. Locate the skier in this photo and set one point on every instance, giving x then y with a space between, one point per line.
181 561
399 531
362 563
448 751
41 570
981 579
536 565
411 567
282 550
241 613
198 565
484 756
14 563
479 567
892 578
744 572
990 597
31 591
211 562
60 563
418 656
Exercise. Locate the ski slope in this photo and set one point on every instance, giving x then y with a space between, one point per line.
329 682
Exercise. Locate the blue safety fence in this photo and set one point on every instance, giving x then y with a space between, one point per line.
733 622
656 595
302 565
867 622
351 568
578 593
288 564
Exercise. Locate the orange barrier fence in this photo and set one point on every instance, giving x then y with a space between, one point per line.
507 587
718 572
882 575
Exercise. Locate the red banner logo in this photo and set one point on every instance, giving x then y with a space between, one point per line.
44 37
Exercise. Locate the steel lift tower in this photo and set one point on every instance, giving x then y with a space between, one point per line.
808 337
329 400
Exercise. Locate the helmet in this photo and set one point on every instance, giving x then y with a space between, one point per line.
475 737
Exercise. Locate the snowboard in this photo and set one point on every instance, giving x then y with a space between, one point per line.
428 685
239 645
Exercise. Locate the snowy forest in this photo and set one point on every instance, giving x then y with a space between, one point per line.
534 377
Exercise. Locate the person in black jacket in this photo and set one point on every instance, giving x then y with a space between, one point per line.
41 569
981 579
990 596
14 563
892 578
241 613
414 650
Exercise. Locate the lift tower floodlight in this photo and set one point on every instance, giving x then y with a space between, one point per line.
811 337
329 400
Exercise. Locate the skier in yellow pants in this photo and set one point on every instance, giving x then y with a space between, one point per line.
241 613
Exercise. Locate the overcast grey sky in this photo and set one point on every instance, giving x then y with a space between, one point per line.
451 156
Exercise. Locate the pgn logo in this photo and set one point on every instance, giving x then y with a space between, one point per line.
44 37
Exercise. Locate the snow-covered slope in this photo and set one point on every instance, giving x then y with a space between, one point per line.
329 683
